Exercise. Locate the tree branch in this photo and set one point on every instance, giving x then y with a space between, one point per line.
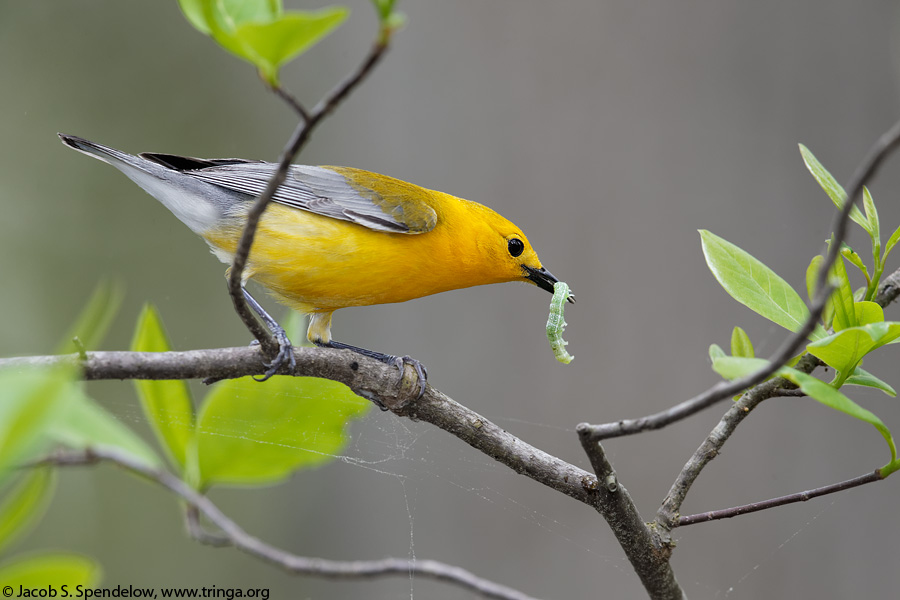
648 555
233 535
882 148
727 513
890 289
308 122
367 377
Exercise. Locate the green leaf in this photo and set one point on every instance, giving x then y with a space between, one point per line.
193 12
25 504
741 344
831 186
384 8
251 11
260 32
81 424
827 395
735 367
842 299
167 404
270 45
895 237
396 21
854 258
874 228
253 434
30 399
716 352
232 13
866 379
812 275
868 312
92 324
50 570
754 285
726 367
844 349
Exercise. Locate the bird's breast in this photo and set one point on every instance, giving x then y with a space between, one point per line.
315 263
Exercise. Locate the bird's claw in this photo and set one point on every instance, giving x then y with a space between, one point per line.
388 359
421 371
285 352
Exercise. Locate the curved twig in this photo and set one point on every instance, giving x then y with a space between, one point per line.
232 534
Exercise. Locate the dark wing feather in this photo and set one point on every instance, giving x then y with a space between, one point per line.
188 163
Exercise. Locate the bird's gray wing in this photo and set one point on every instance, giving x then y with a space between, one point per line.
374 201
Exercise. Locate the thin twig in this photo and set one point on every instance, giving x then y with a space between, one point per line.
292 101
722 390
717 393
667 514
736 511
242 252
337 95
648 555
308 121
196 530
240 539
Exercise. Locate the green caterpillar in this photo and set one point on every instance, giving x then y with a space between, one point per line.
556 324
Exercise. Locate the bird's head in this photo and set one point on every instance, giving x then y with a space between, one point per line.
509 255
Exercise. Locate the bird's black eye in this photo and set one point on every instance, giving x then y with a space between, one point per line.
515 246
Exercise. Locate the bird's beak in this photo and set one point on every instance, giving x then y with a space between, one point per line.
544 279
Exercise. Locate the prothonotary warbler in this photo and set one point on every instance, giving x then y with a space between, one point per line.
335 236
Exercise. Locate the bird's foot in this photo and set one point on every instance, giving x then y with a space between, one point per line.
401 361
285 353
285 349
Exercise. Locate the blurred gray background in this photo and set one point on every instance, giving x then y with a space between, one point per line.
610 132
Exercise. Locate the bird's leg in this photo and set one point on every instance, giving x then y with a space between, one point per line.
397 361
285 349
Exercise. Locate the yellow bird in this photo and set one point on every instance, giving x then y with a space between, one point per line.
334 236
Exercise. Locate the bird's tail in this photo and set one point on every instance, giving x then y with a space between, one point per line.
197 204
104 153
